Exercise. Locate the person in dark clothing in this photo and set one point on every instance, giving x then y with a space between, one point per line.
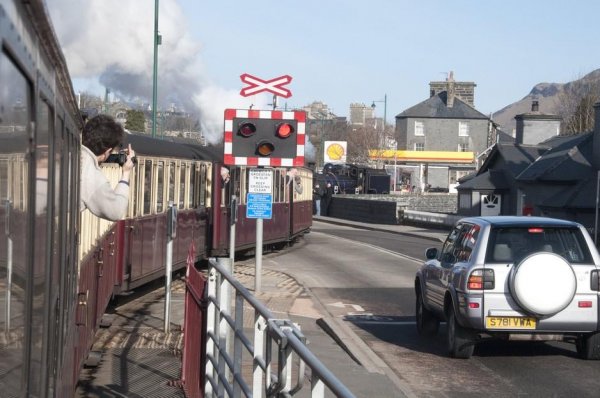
326 200
318 192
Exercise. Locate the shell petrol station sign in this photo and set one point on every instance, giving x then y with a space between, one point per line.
335 151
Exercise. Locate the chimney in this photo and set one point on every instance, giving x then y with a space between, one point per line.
450 90
535 106
596 137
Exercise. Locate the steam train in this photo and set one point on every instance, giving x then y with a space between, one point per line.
354 179
60 267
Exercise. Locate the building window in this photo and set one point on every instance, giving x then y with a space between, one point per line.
419 128
463 129
419 146
463 147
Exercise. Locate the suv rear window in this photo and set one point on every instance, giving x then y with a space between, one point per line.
514 244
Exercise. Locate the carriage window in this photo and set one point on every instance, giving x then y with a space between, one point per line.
171 183
203 185
133 200
147 186
192 185
15 115
160 185
241 184
182 173
279 186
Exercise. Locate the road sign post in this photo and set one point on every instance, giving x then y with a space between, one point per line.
259 205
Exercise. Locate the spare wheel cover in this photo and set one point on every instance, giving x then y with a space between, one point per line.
543 283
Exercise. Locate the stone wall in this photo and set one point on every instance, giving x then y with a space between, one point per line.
389 209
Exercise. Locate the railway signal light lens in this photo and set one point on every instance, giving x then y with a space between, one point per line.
265 148
264 138
246 129
284 130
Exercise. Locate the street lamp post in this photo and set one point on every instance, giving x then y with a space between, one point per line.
157 41
321 155
384 109
384 132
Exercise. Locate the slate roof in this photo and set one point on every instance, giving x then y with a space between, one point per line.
516 157
568 160
504 137
489 180
580 196
435 107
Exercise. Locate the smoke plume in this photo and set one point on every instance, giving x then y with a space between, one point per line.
111 41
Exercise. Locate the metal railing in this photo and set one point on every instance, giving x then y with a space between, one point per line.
265 358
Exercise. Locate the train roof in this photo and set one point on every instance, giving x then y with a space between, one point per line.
187 149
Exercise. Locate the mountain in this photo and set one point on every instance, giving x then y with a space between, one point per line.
548 96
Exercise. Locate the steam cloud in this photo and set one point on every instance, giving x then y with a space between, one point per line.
112 41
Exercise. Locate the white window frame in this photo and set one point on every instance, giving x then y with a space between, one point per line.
463 129
419 129
463 147
419 144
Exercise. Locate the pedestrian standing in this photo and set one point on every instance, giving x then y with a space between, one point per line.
317 195
326 200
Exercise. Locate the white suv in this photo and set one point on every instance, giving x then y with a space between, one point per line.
516 278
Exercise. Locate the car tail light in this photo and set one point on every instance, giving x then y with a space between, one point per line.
585 304
481 279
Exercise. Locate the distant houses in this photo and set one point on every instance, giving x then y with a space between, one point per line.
438 139
540 173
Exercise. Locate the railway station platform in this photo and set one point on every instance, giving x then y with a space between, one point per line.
138 359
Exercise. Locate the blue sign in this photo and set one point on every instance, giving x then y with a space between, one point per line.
259 205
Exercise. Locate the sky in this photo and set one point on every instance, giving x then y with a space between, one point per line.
336 51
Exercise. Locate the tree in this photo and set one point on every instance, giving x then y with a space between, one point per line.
576 105
361 139
136 121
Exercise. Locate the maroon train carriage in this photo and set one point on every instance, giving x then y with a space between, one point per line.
120 256
39 171
59 267
291 211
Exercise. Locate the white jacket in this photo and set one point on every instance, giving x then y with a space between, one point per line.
96 193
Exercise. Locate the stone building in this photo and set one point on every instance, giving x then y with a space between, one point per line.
463 90
557 177
440 138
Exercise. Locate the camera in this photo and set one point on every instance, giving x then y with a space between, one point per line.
120 158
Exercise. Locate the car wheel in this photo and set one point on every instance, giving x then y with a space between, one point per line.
543 284
588 346
427 323
460 340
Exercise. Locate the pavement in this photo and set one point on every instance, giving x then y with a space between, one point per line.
138 359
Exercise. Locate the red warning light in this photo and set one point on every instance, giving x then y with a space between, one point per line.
284 130
246 129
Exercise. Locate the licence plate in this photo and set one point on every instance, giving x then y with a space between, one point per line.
510 322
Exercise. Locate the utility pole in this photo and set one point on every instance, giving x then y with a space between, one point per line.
106 92
157 42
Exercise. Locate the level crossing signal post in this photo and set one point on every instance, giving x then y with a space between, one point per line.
262 138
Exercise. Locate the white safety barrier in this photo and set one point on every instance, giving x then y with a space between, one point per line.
268 358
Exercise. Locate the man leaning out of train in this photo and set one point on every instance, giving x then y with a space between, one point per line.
100 137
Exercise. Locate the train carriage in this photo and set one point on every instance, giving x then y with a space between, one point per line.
39 152
291 209
167 173
60 267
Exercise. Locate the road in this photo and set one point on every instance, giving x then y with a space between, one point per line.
367 277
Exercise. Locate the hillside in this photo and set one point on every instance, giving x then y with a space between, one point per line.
548 96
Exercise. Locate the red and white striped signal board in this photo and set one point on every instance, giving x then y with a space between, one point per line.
256 138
